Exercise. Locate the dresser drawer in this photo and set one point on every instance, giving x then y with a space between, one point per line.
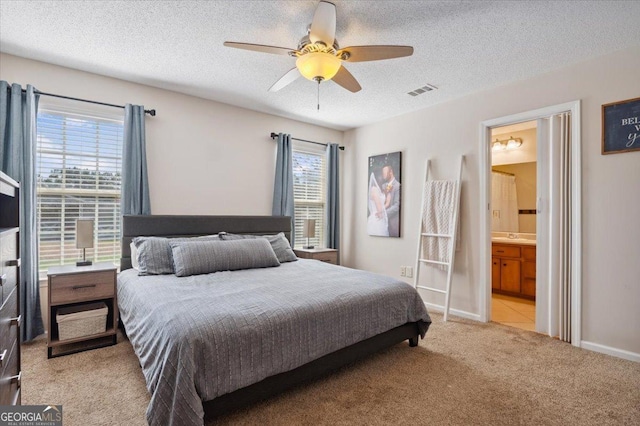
9 322
79 287
8 264
10 376
7 189
505 251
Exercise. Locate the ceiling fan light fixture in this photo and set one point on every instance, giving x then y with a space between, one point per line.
318 65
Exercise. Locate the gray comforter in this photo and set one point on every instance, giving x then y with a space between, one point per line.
203 336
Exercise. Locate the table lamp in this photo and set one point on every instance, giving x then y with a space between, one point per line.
84 239
308 231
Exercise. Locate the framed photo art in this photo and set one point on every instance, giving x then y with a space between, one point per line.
621 126
384 202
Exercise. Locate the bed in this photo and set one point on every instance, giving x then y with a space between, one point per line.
215 342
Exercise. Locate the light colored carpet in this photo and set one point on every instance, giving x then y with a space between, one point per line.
463 373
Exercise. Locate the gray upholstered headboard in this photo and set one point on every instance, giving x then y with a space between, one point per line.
191 226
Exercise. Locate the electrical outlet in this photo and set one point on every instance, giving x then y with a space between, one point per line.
409 271
403 271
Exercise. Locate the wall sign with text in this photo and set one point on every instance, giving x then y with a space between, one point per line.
621 126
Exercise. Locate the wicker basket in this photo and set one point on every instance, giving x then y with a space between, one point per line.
83 320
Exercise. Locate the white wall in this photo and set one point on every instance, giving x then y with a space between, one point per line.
203 157
611 190
210 158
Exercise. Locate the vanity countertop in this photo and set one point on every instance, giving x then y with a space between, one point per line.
521 239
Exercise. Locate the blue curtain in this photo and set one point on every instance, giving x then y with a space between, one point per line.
283 186
333 197
18 115
135 183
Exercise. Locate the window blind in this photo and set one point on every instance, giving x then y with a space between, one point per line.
78 166
309 177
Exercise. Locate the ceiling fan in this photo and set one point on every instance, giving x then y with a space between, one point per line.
319 57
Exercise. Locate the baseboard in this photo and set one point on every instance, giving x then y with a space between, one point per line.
608 350
456 312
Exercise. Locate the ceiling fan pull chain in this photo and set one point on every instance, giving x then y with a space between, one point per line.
318 94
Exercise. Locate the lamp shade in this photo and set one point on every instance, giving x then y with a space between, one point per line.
318 65
84 233
309 228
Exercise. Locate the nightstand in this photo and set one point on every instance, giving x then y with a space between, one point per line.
75 286
323 254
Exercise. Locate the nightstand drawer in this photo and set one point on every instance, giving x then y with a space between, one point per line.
321 254
79 287
330 257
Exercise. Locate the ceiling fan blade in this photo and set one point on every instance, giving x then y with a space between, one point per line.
291 76
375 53
260 48
323 26
346 80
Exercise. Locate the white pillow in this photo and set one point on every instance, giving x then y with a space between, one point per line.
134 257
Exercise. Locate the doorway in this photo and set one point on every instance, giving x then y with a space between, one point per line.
513 224
557 217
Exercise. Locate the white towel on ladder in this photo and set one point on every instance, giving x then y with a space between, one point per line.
439 199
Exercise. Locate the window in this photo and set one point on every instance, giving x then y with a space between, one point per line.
78 166
309 171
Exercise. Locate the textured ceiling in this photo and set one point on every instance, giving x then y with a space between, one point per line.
460 46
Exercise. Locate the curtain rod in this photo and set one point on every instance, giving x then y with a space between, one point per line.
502 173
275 135
151 112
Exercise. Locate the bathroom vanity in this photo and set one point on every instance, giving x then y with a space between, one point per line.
513 266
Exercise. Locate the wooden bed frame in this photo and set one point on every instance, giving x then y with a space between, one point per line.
188 226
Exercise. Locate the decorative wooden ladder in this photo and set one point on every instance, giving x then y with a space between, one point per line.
451 239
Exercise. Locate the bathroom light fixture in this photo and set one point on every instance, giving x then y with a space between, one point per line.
513 143
502 145
498 146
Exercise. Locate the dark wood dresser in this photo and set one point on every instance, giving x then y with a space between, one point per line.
10 372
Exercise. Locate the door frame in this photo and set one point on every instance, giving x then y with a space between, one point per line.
576 215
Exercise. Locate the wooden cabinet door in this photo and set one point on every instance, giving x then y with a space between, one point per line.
529 278
529 287
495 273
510 275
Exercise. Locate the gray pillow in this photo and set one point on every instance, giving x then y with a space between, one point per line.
278 242
153 254
204 257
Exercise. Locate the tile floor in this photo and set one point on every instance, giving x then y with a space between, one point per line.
513 311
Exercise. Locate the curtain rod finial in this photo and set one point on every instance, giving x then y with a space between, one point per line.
151 112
